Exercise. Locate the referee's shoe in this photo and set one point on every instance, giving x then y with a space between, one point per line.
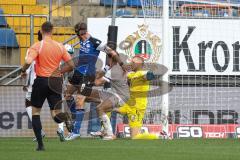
40 148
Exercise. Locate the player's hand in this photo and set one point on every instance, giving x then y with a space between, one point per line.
25 89
56 73
23 74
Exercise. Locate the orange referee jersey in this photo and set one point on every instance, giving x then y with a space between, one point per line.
48 54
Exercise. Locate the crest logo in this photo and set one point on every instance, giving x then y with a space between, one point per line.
143 43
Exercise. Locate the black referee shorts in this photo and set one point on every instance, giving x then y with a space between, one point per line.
43 90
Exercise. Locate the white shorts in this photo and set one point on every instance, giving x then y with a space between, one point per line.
28 96
113 97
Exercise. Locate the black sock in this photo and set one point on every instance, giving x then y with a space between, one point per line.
37 128
57 119
60 117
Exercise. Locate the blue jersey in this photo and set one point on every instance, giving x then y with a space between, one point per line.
88 55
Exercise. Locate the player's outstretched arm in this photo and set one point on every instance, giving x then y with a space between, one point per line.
112 53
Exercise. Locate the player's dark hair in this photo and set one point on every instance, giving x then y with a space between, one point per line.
39 35
80 28
47 27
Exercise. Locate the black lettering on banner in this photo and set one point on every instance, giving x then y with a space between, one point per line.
197 113
177 116
227 113
177 48
226 56
202 53
20 117
173 116
5 120
236 48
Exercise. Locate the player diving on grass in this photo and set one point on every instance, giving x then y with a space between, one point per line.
83 77
139 81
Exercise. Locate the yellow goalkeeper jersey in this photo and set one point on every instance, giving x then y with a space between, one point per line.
139 88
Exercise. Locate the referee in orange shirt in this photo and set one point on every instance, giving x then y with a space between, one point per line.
47 55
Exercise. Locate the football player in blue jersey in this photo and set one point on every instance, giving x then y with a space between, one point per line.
83 77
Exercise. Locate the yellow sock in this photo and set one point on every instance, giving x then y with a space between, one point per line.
146 136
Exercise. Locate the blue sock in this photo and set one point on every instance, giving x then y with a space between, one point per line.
78 121
113 121
94 122
72 105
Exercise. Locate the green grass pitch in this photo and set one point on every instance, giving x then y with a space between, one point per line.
123 149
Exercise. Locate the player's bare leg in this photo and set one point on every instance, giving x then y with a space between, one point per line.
90 99
102 109
70 91
68 96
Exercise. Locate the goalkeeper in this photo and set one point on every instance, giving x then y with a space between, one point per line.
136 106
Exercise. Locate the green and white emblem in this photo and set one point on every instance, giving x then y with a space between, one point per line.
143 43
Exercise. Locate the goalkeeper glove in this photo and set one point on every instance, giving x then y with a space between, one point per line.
150 76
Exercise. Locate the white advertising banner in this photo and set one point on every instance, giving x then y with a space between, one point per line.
196 46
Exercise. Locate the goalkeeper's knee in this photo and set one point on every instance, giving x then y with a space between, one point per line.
148 136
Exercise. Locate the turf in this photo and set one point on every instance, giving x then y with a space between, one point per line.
96 149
